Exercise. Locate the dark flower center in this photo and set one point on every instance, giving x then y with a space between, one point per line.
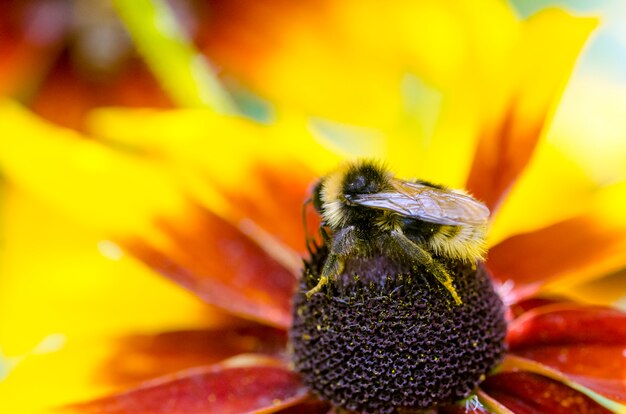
387 337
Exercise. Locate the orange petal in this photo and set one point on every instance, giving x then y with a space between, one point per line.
578 248
141 357
528 393
258 385
285 189
587 344
548 47
221 265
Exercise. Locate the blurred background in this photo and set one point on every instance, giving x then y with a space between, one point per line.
353 77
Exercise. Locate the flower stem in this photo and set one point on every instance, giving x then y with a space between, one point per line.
182 70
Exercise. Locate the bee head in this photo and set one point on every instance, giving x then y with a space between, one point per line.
331 194
365 177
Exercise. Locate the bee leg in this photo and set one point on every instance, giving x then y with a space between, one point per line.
342 245
332 268
325 236
424 258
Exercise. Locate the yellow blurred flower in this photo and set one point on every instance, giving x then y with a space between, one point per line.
459 94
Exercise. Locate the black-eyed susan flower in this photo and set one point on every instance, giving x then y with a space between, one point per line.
214 203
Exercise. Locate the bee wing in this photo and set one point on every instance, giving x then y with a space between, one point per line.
426 203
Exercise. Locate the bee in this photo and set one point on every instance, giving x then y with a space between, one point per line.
367 212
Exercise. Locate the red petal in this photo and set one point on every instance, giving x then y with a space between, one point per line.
601 368
587 344
142 357
128 84
221 265
311 406
496 166
31 33
224 388
567 325
527 304
527 393
577 248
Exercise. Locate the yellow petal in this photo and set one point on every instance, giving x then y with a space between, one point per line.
463 52
551 188
346 60
61 276
607 291
358 62
540 65
605 287
226 161
582 248
226 147
589 127
552 35
64 294
44 380
97 186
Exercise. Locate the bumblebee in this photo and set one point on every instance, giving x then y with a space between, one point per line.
366 211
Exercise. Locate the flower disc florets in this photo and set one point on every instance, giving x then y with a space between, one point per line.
387 337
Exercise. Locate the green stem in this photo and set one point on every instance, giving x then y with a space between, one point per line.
182 70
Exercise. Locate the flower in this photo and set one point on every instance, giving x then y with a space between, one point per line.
230 233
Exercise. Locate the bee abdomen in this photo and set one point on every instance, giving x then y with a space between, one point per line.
459 242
